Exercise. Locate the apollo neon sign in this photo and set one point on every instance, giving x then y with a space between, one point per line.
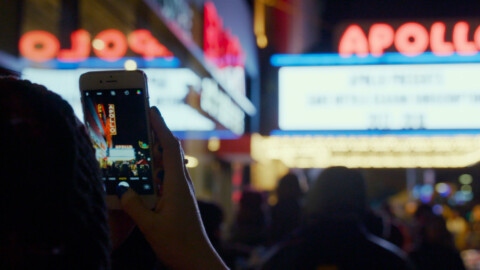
410 39
109 45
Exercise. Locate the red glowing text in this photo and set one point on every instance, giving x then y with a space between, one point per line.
109 45
410 39
219 45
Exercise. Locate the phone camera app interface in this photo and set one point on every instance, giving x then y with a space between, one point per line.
117 126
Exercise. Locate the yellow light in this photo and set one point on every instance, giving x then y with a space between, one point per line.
98 44
367 151
272 200
466 189
262 41
213 144
465 179
192 161
259 23
411 207
130 64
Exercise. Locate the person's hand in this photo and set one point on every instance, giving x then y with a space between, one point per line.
174 230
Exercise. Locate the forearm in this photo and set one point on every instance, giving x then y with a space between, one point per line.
207 258
196 254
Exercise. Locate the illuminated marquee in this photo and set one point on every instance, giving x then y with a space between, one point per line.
410 39
109 45
367 151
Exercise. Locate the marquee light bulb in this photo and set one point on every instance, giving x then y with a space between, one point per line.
130 64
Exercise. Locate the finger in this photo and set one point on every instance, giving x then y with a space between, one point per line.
162 132
172 155
171 148
134 207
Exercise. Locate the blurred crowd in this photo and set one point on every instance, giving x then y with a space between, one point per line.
331 225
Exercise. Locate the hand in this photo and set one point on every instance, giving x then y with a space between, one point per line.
174 230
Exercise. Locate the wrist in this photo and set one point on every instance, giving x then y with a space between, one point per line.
204 256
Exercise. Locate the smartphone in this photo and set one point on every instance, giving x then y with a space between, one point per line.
116 115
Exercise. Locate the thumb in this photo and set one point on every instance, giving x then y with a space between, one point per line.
133 205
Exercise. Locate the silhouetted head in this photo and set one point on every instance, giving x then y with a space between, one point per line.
338 191
52 207
212 218
289 187
423 212
251 208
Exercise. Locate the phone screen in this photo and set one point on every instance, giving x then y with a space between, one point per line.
117 125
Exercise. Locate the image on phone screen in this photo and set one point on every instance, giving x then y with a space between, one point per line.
117 125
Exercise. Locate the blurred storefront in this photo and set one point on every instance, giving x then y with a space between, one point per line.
199 56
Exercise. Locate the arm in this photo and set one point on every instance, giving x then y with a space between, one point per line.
174 230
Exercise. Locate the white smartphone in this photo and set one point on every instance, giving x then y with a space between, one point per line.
116 115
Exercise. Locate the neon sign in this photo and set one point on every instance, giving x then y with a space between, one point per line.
410 39
109 45
111 119
219 45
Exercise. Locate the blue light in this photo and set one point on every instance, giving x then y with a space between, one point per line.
377 132
323 59
95 62
426 193
437 209
443 189
203 135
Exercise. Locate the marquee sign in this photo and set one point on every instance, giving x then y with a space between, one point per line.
410 39
109 45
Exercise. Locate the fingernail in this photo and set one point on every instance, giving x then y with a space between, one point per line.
121 189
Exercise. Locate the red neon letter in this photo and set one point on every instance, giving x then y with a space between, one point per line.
39 46
353 41
411 39
80 48
437 40
142 42
476 37
460 39
380 37
113 45
212 29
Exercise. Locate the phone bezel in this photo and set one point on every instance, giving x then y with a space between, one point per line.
121 79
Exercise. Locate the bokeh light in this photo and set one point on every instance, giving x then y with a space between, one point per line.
443 189
437 209
465 179
130 64
98 44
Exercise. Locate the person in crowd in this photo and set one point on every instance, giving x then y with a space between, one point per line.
459 227
56 218
473 239
436 248
333 235
396 231
384 225
286 213
250 223
212 218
